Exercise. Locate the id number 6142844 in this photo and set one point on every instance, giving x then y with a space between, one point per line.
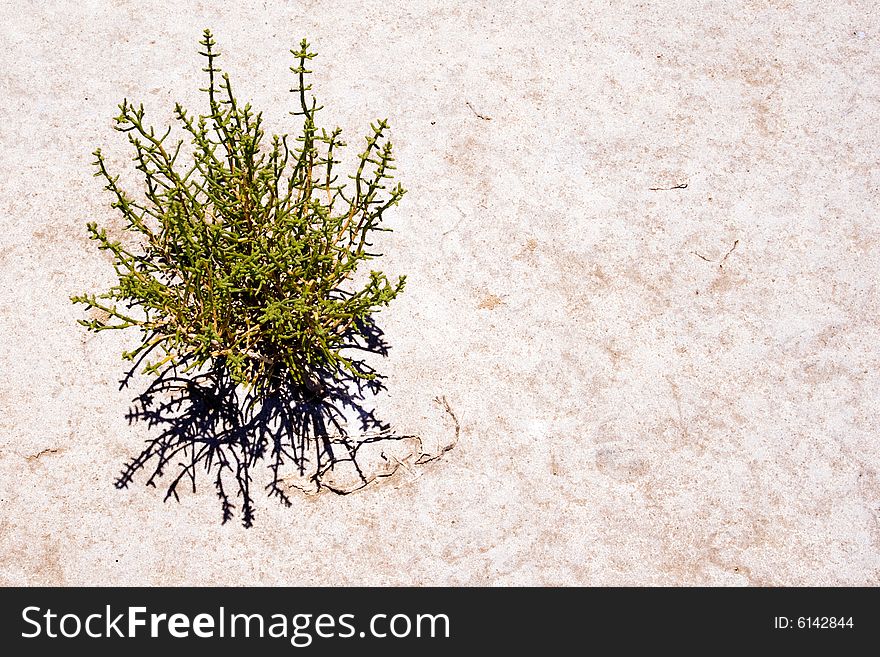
813 622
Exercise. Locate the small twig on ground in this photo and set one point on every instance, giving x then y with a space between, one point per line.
721 263
666 189
35 457
442 401
478 115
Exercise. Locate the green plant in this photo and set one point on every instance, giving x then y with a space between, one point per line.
245 255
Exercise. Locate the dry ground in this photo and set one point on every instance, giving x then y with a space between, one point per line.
655 386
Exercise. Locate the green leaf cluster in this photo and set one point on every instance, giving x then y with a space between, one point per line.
246 247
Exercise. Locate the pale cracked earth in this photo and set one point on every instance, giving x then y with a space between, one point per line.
643 252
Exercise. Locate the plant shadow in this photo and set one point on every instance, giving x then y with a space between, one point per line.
331 440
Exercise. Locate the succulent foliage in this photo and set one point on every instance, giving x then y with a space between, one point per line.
245 249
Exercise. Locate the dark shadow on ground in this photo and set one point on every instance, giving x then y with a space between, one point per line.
292 439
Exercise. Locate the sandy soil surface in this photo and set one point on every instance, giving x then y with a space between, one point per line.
643 255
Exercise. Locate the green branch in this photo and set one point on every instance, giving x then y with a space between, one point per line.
248 253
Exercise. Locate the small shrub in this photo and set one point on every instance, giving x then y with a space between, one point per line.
245 252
